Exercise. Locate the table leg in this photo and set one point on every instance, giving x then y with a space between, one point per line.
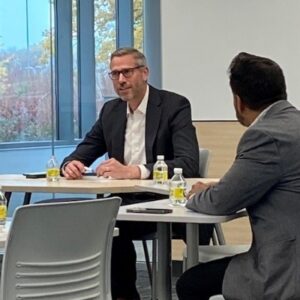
7 196
27 198
220 234
164 263
192 242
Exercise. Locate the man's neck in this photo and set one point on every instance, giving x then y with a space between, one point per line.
135 103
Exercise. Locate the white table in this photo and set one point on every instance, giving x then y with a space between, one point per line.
3 233
95 185
149 186
179 215
87 185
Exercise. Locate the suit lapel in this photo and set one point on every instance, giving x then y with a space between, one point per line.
118 133
153 114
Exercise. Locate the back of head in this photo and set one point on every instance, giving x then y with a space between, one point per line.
139 56
258 81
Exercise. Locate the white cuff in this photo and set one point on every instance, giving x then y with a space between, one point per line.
145 173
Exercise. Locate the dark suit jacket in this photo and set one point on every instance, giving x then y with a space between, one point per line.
169 131
265 179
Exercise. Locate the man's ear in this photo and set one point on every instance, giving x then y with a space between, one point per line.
239 104
145 74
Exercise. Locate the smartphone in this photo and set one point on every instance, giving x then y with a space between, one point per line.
89 174
34 175
143 210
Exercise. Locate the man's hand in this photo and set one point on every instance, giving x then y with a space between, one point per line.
73 170
113 168
198 187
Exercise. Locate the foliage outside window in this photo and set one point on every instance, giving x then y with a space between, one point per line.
25 64
24 72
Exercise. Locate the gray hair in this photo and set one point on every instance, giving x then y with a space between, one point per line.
139 56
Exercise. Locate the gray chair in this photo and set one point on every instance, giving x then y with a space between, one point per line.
204 160
219 249
217 238
217 297
208 253
60 251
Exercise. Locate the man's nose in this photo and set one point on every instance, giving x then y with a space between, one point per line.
122 78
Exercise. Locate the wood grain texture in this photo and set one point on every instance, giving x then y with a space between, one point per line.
221 137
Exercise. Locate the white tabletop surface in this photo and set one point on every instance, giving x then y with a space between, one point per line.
4 232
88 184
179 214
149 186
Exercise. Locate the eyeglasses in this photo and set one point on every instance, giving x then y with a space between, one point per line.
127 73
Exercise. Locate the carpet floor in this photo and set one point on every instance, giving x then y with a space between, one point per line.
143 284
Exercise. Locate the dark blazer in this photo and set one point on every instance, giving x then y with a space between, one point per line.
169 131
265 179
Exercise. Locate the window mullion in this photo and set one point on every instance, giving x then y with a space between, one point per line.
124 23
86 65
64 70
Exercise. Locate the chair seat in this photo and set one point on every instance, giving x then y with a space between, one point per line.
208 253
217 297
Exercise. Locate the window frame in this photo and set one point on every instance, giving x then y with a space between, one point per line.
63 96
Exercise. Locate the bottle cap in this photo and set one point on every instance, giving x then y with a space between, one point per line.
177 170
160 157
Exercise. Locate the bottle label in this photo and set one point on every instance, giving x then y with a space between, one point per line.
160 176
52 173
177 193
3 211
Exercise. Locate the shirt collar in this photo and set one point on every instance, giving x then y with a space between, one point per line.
263 113
143 105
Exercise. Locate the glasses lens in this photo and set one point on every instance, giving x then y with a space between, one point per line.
125 72
114 74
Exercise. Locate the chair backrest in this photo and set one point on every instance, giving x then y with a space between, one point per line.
204 155
60 251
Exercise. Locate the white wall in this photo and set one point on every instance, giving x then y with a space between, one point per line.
200 38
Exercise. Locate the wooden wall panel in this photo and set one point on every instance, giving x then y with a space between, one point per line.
221 137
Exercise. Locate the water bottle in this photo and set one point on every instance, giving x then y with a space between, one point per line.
177 188
52 169
160 171
3 208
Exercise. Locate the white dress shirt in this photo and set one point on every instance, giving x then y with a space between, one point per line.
134 148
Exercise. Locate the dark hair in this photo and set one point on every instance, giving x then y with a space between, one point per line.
139 56
258 81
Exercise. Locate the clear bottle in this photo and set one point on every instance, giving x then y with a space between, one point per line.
160 171
3 208
177 188
52 169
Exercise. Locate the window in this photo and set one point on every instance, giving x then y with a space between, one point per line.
55 58
25 65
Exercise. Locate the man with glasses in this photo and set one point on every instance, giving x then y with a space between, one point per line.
133 129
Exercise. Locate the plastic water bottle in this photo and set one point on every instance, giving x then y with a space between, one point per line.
178 188
3 208
52 169
160 171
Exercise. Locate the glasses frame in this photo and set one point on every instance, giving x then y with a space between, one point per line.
127 73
